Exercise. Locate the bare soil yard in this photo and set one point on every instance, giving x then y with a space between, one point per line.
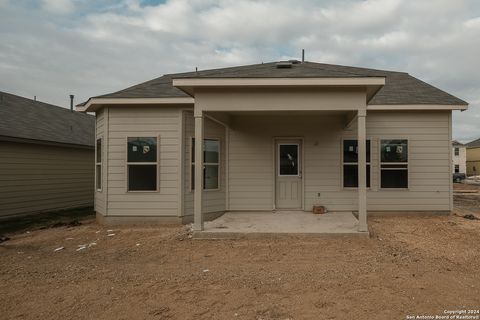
410 265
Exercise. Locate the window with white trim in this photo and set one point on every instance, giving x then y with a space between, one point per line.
142 164
98 165
457 151
457 168
350 163
394 163
211 164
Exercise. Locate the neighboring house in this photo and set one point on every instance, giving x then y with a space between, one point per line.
473 158
46 157
459 158
274 136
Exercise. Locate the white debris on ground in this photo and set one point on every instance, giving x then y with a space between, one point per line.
110 234
206 270
92 244
81 247
138 244
58 249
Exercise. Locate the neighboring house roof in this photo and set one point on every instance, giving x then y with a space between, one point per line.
473 144
22 118
455 143
400 88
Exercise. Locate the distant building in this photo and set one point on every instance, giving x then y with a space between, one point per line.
473 158
459 157
46 157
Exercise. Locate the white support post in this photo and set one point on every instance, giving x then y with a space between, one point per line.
362 171
198 193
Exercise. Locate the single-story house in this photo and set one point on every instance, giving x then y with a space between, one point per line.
473 158
46 157
286 135
459 158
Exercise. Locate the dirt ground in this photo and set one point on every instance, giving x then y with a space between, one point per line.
411 265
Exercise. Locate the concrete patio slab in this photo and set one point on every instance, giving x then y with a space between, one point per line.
234 225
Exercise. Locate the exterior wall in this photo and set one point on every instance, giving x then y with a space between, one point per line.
473 161
163 122
214 200
101 133
251 160
460 160
37 178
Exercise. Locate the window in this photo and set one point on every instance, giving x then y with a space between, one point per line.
457 151
142 163
457 168
211 164
98 165
394 164
350 164
288 159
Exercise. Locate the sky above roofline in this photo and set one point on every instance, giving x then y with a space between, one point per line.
53 48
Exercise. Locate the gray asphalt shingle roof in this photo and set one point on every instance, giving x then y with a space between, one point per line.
473 144
34 120
400 87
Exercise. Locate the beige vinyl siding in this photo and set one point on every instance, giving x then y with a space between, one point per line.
143 122
251 162
214 200
36 178
100 196
473 161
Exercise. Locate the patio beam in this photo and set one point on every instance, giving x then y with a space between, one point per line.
198 192
362 170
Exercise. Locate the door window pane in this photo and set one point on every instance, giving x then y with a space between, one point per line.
142 149
142 177
288 154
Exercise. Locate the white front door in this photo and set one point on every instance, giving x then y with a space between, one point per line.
288 185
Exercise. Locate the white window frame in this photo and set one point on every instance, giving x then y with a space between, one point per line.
98 164
368 163
218 164
156 163
299 160
407 164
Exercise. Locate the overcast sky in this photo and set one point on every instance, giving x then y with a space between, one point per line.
53 48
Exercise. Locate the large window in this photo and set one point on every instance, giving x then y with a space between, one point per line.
142 163
350 164
394 164
211 164
98 165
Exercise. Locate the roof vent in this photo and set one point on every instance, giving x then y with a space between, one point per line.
283 64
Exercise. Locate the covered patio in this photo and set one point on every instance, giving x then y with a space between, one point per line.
343 100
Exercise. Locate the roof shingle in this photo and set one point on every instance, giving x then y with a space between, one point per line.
34 120
400 87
